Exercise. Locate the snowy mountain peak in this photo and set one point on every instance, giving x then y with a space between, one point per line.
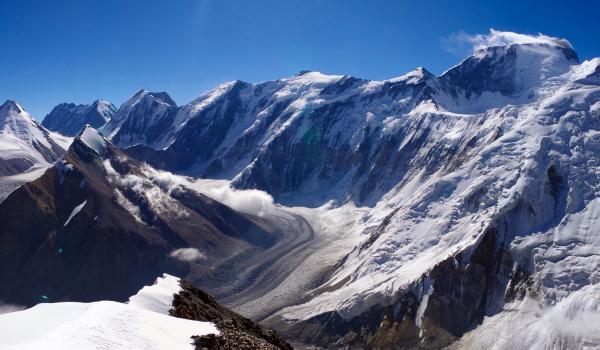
528 61
313 77
92 139
415 76
146 95
102 104
11 106
14 117
134 120
12 110
70 119
505 38
24 142
506 72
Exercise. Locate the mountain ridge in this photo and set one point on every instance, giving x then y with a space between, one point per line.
471 196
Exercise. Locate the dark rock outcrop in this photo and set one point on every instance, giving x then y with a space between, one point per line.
237 332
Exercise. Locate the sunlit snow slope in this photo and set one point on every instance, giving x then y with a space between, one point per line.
24 142
143 323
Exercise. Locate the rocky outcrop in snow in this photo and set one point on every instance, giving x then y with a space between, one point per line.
169 314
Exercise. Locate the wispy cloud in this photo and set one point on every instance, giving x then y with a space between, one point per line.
187 254
7 308
462 42
254 202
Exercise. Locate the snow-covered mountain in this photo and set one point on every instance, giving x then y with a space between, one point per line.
481 182
494 214
70 119
423 211
24 143
316 137
145 118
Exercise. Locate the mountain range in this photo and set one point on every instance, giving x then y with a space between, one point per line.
422 211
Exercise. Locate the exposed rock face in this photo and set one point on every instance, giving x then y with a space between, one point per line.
70 119
451 299
237 332
98 216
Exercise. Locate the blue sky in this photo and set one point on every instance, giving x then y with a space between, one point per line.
80 50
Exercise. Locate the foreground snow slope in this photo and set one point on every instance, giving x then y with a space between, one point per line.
141 324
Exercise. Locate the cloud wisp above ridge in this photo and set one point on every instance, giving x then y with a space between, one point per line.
462 42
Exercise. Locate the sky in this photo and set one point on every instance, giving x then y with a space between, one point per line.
82 50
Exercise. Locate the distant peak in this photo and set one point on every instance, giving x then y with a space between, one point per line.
12 105
414 76
303 72
159 96
423 71
140 92
164 97
100 102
